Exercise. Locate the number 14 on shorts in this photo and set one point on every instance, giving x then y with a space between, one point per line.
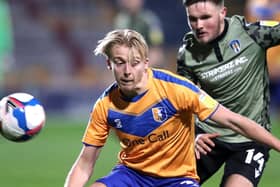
257 157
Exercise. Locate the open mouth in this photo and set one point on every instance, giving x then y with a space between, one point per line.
201 34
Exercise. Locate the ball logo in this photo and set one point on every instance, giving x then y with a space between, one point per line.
159 114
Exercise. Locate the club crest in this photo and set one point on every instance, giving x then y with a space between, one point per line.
159 114
235 46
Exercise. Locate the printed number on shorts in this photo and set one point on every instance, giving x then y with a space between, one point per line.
257 157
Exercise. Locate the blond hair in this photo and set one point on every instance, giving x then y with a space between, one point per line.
127 37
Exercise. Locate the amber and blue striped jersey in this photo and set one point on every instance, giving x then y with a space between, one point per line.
156 128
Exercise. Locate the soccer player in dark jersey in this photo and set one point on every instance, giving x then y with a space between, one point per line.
226 57
151 111
132 14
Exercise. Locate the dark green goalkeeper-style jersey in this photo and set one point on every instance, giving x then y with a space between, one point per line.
233 70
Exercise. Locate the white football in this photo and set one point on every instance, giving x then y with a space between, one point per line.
21 117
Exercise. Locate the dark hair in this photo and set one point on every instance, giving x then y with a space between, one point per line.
190 2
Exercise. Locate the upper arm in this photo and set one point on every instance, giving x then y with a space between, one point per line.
182 68
83 167
90 153
223 116
228 119
219 115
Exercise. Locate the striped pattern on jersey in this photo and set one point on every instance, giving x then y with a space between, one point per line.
156 128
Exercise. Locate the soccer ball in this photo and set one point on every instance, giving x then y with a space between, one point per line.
21 117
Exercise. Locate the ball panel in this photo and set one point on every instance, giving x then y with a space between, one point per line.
19 119
23 97
12 125
34 115
35 130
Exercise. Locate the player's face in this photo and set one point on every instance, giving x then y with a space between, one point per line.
206 20
129 69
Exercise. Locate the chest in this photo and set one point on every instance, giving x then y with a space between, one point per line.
226 62
141 117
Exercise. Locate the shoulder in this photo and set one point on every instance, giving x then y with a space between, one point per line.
186 43
237 22
237 18
105 99
188 39
108 91
173 80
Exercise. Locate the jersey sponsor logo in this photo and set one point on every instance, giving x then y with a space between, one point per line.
225 70
235 46
151 138
159 114
268 23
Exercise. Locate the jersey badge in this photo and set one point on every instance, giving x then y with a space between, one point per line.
207 100
235 46
269 23
159 114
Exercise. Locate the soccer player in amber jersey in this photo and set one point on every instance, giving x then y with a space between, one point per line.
152 112
226 56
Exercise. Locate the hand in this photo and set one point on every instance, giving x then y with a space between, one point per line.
203 143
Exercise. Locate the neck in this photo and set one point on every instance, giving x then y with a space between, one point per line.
224 30
140 88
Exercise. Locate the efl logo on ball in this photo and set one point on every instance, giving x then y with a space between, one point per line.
21 117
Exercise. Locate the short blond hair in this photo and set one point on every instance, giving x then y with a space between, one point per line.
127 37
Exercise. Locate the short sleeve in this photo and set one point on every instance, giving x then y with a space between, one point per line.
97 130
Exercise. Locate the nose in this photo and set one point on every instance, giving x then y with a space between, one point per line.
199 24
127 69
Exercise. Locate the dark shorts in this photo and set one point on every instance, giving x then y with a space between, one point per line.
247 159
122 176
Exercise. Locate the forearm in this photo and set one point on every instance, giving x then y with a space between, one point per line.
254 131
76 178
82 169
245 127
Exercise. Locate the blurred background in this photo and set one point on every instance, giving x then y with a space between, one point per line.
46 49
46 46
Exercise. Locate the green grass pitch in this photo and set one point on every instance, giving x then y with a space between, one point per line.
46 160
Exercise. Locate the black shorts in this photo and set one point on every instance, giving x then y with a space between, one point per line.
247 159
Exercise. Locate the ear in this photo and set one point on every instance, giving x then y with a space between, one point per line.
109 65
147 63
224 11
